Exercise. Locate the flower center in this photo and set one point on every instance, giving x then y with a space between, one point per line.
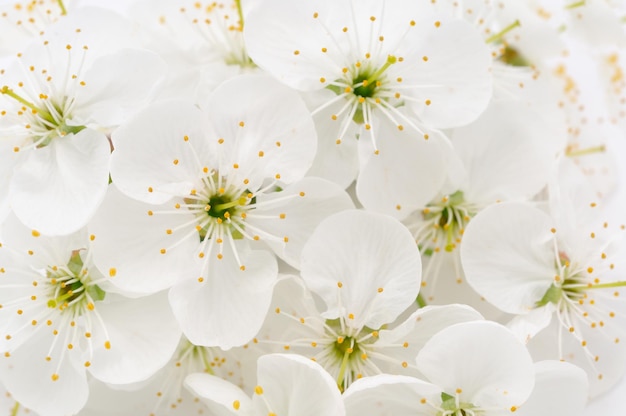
71 286
452 406
218 206
443 223
363 86
47 120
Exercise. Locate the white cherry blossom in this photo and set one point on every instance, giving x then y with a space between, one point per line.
286 385
59 323
366 270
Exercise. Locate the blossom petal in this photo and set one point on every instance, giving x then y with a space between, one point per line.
498 373
406 161
267 129
117 85
147 147
560 388
228 306
128 242
143 335
405 340
508 256
30 379
306 204
57 188
220 396
296 386
365 267
388 395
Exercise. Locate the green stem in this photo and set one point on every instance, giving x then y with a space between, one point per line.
581 288
7 91
576 4
62 6
390 61
15 409
342 369
503 32
586 151
207 365
240 13
420 301
226 205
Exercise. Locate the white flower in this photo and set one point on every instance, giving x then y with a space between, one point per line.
202 42
379 59
365 268
473 369
219 190
164 393
544 269
57 100
58 323
286 385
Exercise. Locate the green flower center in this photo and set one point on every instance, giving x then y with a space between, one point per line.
47 120
451 407
446 222
71 286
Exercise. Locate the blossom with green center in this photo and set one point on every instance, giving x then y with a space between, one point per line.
58 323
467 376
390 62
57 101
562 284
202 42
366 269
208 199
286 385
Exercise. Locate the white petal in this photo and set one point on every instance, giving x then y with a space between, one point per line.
58 188
505 156
273 32
406 174
117 85
528 325
147 146
407 339
228 307
296 386
302 214
374 260
266 127
30 380
489 365
220 396
560 389
387 395
127 244
508 256
143 335
456 79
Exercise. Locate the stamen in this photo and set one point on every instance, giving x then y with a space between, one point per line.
498 36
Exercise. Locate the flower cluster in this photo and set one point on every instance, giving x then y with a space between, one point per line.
315 207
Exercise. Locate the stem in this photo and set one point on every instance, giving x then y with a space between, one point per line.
420 301
576 4
503 32
7 91
240 13
15 409
597 286
586 151
207 365
226 205
342 370
390 61
62 6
